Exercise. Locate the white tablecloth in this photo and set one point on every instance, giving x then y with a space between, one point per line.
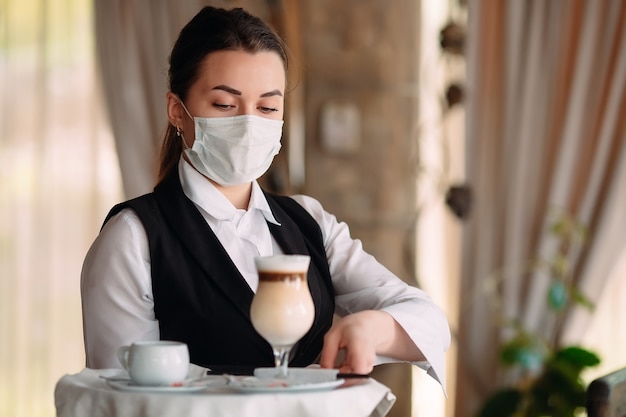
86 394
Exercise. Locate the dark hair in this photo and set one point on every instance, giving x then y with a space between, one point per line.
212 29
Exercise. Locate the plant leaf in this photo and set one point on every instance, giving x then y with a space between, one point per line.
582 299
577 356
503 403
557 296
524 351
560 265
558 393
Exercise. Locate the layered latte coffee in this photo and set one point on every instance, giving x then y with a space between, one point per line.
282 310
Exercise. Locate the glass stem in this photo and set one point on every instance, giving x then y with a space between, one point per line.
281 360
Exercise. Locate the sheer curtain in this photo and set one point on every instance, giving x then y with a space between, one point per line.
58 177
545 129
134 39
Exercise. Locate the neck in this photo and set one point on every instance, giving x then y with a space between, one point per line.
238 195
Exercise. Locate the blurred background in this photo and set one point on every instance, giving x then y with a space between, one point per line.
477 147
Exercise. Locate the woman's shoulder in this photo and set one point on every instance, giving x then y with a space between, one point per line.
310 204
124 221
327 221
122 215
144 203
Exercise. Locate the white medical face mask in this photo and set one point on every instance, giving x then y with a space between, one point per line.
234 150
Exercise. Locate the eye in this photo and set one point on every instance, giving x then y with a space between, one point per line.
267 109
223 106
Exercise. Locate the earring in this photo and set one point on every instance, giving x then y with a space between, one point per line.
178 131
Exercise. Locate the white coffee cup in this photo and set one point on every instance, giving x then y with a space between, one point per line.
155 363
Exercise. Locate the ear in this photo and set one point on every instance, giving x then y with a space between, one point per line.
175 111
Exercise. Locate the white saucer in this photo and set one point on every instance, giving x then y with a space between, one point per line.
251 384
192 385
306 375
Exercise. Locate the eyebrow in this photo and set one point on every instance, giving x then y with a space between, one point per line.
272 93
238 93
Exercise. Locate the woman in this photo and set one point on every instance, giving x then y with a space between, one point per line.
178 263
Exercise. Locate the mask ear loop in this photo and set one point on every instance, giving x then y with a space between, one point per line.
179 132
184 107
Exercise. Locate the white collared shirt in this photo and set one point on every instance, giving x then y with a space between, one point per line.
243 233
116 283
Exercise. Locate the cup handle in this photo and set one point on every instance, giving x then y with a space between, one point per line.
122 356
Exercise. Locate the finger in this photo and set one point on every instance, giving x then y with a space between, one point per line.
329 349
345 369
358 366
359 358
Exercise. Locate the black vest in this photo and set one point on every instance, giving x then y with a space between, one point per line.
200 297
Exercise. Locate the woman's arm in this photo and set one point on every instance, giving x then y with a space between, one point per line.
116 291
382 316
363 335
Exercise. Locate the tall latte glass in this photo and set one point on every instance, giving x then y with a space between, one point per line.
282 309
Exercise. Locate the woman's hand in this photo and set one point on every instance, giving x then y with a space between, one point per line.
362 336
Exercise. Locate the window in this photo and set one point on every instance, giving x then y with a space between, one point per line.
58 177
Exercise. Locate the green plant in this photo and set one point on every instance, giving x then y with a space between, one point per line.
549 382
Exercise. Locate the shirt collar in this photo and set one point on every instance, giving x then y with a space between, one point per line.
204 194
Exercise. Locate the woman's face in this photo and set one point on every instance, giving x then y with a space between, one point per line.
232 83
